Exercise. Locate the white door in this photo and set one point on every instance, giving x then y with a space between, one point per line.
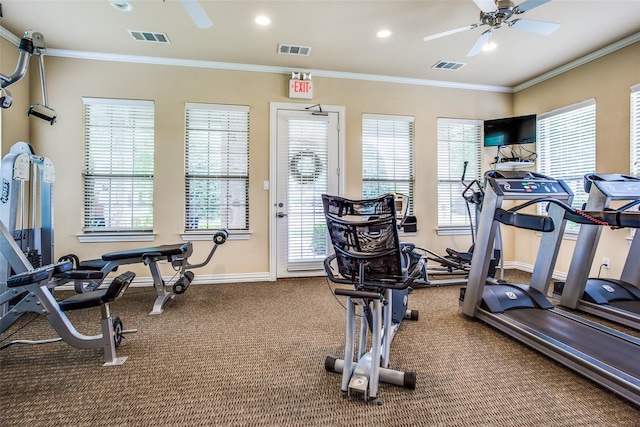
307 166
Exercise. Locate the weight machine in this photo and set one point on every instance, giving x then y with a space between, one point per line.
32 43
26 268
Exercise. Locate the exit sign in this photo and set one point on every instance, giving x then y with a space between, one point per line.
301 89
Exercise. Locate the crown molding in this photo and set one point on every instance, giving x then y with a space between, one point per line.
97 56
578 62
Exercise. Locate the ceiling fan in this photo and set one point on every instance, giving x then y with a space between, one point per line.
497 14
197 13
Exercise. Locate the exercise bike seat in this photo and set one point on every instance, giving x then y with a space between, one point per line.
99 297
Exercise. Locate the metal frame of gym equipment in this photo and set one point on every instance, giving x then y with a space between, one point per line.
24 288
88 275
358 230
455 265
24 172
617 300
32 288
32 43
604 355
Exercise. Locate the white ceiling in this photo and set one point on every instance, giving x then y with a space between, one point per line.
342 34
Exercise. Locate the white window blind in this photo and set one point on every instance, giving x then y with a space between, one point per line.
217 167
459 141
566 148
635 130
387 155
118 164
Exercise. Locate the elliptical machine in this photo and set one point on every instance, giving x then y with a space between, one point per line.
456 263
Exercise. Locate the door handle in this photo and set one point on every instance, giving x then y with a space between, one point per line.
281 214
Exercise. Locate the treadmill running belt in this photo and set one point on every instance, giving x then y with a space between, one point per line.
622 355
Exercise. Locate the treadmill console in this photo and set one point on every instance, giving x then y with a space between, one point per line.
615 186
526 183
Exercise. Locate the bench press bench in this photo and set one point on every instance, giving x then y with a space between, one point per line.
88 275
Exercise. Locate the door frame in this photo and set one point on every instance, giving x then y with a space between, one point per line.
273 175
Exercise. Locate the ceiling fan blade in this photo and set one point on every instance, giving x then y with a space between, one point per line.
448 33
197 13
528 5
487 6
482 40
538 27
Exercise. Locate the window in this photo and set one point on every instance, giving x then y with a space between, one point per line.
217 167
459 141
635 130
118 165
566 148
387 155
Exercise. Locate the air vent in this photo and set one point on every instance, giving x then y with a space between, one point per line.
147 36
449 65
288 49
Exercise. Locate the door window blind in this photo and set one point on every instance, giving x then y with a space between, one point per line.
566 148
459 140
307 160
387 155
217 167
118 164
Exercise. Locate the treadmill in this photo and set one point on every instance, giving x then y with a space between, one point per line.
617 300
522 311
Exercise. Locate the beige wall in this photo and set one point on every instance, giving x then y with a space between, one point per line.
608 80
68 80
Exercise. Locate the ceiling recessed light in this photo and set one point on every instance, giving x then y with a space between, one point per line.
263 20
122 5
383 34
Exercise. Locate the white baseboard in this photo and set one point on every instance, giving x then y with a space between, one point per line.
558 275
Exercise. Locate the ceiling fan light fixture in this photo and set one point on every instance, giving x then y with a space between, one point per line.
489 46
121 5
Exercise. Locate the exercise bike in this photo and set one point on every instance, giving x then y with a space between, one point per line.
367 256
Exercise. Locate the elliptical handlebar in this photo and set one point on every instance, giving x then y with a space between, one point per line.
417 270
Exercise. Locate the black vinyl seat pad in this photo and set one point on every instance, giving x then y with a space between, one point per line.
161 251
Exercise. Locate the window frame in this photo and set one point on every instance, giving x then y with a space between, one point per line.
551 159
449 173
401 179
109 125
227 178
634 130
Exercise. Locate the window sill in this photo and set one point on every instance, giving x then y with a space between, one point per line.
115 237
453 231
208 235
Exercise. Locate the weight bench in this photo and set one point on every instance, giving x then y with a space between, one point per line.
88 275
38 298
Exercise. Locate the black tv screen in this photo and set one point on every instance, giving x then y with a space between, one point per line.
510 130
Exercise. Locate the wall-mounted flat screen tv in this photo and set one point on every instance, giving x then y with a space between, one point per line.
510 130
